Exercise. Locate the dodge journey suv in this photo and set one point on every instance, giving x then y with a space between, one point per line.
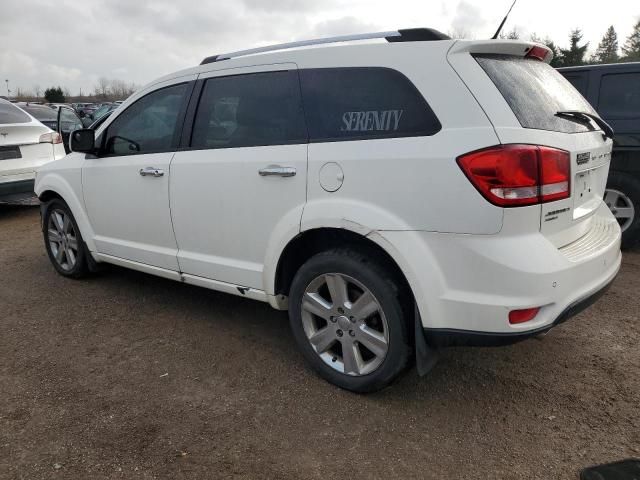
396 195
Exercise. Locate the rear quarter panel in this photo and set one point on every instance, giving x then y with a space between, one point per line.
405 183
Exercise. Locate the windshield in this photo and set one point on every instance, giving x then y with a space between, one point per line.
535 91
11 114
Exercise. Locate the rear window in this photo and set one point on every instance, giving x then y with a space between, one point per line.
620 96
11 114
41 113
363 103
535 91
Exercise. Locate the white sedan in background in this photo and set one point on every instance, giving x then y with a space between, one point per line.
25 145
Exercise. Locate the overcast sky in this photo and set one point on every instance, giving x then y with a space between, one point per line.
72 42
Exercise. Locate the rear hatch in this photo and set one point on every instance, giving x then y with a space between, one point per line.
522 95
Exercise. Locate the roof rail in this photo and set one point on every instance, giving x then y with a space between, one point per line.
403 35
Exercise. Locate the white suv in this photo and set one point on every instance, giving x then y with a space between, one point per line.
395 196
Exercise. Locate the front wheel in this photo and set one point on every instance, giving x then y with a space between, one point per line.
347 318
63 240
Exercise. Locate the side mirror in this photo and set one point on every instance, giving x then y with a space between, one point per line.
83 141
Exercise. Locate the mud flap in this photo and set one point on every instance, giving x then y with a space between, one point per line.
426 356
92 265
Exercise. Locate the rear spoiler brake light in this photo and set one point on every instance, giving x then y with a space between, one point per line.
538 52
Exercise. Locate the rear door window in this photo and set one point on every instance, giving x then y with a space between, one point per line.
11 114
620 96
363 103
256 109
535 91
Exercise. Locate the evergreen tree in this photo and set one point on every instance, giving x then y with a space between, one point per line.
631 48
54 95
607 51
574 55
557 60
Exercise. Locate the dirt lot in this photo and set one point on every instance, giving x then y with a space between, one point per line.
130 376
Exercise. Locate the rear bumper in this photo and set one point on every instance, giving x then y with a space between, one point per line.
466 338
466 285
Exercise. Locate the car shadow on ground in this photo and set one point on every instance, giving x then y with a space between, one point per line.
464 371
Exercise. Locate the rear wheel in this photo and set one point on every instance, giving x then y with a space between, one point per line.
63 240
347 318
623 199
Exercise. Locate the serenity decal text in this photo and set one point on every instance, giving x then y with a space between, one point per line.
375 120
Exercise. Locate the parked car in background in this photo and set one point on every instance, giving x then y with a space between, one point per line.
25 144
614 91
99 119
431 192
86 110
99 113
56 106
78 105
62 119
43 113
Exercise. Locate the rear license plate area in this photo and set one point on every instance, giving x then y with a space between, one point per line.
583 190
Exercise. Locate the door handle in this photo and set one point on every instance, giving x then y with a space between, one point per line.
151 172
277 171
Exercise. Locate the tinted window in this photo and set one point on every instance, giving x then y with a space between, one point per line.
249 110
535 91
11 114
363 103
620 96
579 82
149 125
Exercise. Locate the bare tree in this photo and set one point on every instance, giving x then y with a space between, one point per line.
459 34
512 35
37 91
102 88
118 89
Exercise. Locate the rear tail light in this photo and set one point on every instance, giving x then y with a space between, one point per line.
518 175
521 316
538 52
52 137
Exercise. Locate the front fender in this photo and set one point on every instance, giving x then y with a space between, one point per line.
69 187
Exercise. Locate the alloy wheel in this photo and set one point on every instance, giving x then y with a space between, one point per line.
63 241
621 206
345 324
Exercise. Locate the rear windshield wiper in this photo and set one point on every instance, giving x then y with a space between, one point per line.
588 117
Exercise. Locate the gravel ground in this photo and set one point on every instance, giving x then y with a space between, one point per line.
130 376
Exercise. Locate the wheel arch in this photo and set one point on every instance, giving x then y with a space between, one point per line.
310 242
54 186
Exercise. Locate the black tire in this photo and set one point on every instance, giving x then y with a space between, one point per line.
385 291
79 268
630 187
